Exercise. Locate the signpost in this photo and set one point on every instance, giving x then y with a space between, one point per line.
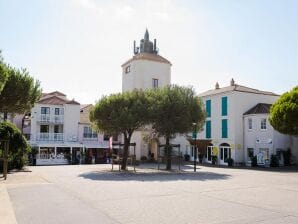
194 136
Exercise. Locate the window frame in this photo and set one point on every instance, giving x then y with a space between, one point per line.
249 123
154 83
263 124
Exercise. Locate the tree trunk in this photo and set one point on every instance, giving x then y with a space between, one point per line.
5 114
125 152
168 152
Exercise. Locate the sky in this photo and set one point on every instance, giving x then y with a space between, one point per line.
78 46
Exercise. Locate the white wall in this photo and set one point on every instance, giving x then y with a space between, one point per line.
71 122
142 72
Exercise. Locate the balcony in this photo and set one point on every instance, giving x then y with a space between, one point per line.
90 137
50 137
47 118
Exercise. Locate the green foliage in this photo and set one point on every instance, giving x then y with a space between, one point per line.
121 113
18 144
214 160
254 161
287 157
19 93
230 162
3 73
283 113
174 110
274 161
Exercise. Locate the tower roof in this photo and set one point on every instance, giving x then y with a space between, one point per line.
149 57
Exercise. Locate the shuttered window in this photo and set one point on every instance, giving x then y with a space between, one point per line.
224 128
224 106
208 108
208 129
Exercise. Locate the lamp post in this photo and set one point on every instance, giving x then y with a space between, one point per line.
195 147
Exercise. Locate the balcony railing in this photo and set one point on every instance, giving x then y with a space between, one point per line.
50 137
90 137
47 118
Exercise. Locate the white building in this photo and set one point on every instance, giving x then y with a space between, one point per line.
225 122
54 129
145 70
260 139
95 144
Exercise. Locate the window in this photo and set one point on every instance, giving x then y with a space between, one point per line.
57 111
208 129
45 110
89 133
208 108
106 137
58 129
127 69
155 83
44 128
249 123
250 152
224 128
263 124
224 106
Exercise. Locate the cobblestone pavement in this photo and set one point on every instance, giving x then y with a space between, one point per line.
94 194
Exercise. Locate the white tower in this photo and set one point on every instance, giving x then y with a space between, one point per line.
146 69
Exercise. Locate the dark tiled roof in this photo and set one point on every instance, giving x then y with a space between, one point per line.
260 108
149 57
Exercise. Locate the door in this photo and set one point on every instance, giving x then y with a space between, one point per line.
209 153
225 153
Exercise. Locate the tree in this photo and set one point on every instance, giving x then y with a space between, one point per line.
19 93
17 143
121 113
175 110
3 73
284 113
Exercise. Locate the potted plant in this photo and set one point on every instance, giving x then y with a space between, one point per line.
230 161
214 160
186 157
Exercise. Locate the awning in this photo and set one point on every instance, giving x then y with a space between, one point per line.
201 144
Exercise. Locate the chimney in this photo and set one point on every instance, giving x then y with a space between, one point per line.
232 83
216 85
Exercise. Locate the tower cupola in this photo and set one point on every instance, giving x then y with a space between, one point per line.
146 46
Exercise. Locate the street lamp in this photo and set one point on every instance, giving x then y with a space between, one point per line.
194 135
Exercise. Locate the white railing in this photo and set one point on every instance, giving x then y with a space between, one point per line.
90 137
47 118
50 137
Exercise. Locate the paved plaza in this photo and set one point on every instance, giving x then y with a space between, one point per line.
94 194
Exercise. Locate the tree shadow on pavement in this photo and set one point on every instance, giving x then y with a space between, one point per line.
161 176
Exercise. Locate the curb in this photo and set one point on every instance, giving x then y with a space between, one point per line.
6 210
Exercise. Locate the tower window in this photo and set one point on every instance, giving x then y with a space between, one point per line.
127 69
155 83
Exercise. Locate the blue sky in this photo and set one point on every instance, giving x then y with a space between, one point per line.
77 46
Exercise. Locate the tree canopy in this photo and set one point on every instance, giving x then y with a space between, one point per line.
17 143
284 113
175 110
19 93
121 113
3 73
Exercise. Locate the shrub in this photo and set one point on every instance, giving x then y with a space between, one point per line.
274 161
287 157
186 157
144 158
214 159
230 162
254 161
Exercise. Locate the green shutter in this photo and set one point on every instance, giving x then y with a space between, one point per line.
208 108
224 106
224 128
208 129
